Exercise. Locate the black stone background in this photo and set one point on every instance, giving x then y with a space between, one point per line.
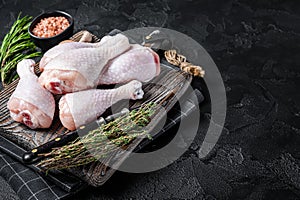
256 45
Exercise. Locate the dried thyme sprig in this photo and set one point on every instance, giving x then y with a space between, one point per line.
101 142
15 47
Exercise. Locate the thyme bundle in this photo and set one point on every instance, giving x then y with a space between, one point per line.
101 142
15 47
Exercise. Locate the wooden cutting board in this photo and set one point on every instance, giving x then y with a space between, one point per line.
96 174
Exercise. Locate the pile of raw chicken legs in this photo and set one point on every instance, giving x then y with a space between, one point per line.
74 70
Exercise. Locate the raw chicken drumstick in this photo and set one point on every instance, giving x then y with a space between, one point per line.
68 46
31 104
79 108
139 63
79 69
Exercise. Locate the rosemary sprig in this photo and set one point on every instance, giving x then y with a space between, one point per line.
15 47
101 142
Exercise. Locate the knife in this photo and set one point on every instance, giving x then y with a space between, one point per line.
32 156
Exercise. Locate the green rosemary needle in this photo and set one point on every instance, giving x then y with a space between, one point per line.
15 47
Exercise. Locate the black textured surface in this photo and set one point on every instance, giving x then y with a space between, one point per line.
256 46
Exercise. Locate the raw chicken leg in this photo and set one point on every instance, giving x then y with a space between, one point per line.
61 48
139 63
79 69
31 104
79 108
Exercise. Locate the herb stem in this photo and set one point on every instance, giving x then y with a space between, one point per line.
101 142
15 47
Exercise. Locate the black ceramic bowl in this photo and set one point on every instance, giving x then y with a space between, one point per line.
49 42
